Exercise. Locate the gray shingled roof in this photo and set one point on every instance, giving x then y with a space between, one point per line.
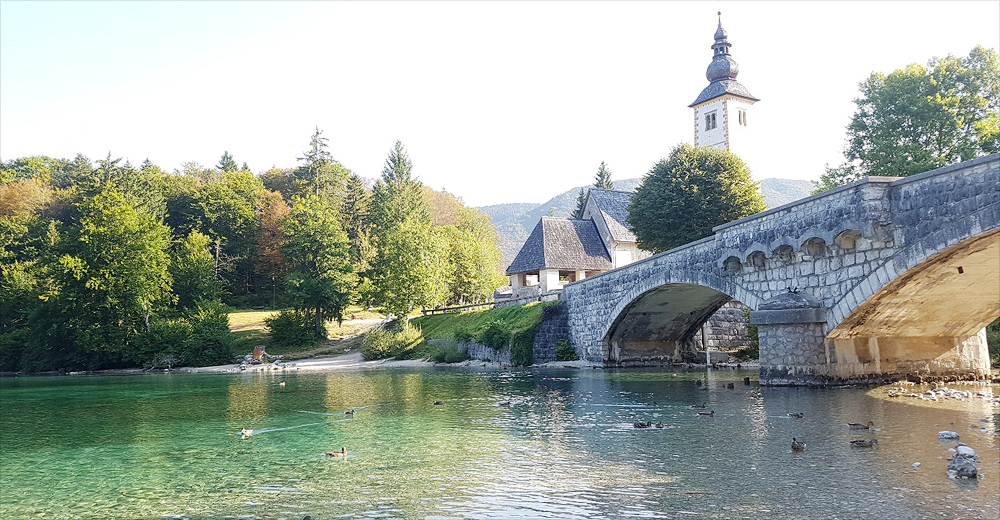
614 205
561 243
719 88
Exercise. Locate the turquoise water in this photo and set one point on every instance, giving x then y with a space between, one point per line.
503 444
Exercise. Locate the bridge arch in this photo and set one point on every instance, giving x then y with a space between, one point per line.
656 317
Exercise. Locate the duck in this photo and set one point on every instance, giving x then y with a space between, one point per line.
798 446
659 425
504 404
642 424
349 412
697 406
341 453
246 433
730 385
438 403
796 415
861 443
858 426
281 384
707 414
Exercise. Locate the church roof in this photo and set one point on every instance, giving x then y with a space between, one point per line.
561 243
614 207
722 71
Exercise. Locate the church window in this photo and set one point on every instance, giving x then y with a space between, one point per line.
710 121
743 117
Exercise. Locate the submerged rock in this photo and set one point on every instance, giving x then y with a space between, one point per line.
947 436
962 467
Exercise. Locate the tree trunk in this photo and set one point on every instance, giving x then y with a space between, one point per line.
319 321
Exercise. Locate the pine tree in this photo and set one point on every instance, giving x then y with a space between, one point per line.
603 178
226 163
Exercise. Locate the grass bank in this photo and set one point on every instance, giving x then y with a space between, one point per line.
249 328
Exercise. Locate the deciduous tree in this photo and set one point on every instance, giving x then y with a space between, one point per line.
919 118
684 196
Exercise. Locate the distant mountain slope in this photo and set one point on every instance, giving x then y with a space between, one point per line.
513 222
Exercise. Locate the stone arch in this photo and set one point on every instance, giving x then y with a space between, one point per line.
757 260
713 291
879 305
847 239
732 264
784 253
814 247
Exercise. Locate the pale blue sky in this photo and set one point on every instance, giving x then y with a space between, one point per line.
495 101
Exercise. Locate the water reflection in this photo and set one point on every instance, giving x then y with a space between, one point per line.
503 444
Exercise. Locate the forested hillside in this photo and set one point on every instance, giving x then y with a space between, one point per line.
107 264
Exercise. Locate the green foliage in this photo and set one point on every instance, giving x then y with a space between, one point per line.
193 271
381 343
227 163
687 194
113 273
464 334
449 355
580 200
565 351
200 338
291 328
322 276
993 340
522 346
473 323
496 335
602 179
916 119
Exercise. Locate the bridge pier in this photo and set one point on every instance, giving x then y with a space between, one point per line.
791 333
913 358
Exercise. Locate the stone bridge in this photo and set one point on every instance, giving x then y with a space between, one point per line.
886 277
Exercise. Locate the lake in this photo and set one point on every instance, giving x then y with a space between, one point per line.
541 443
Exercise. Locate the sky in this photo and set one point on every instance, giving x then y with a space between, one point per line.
495 102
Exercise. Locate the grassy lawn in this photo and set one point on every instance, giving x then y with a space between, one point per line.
443 326
249 329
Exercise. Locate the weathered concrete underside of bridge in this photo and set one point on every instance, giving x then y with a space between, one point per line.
884 278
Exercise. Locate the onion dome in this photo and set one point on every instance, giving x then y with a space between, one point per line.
722 71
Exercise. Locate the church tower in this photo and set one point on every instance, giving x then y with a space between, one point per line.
721 110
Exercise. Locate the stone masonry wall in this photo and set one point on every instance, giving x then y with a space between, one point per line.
554 327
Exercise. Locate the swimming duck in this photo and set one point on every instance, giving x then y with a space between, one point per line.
349 412
281 384
707 414
246 433
659 425
697 406
341 453
438 403
796 415
858 426
860 443
642 425
798 446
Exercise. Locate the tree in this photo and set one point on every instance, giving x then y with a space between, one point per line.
407 270
916 119
113 273
684 196
322 276
226 163
396 196
602 180
270 266
355 210
192 268
321 172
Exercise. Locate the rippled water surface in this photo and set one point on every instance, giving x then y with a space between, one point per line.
503 444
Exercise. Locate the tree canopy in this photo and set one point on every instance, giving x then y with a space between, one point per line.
602 180
684 196
919 118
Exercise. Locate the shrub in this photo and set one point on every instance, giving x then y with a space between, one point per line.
522 348
747 353
161 347
464 334
496 335
400 344
449 355
993 340
565 352
290 329
211 342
